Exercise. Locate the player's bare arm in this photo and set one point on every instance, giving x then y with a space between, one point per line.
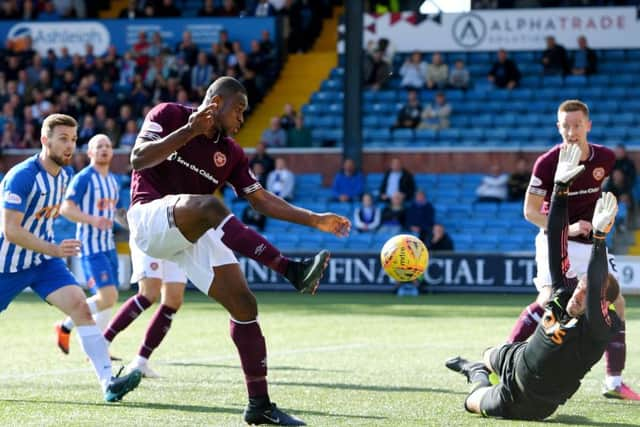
273 206
533 205
532 210
14 231
148 153
72 212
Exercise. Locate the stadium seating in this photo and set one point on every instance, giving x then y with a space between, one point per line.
483 115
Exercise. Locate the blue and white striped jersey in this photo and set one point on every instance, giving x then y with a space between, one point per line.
99 196
30 189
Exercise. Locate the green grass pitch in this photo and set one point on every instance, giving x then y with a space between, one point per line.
334 360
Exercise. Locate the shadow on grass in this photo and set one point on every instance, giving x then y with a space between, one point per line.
578 420
385 389
271 368
140 405
178 407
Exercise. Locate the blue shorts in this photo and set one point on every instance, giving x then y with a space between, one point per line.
45 278
100 270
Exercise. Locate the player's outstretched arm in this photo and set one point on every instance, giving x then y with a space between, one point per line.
72 212
273 206
597 313
15 233
151 149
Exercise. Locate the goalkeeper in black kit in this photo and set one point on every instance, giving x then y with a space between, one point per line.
539 375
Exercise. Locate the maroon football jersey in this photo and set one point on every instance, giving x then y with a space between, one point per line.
584 191
199 167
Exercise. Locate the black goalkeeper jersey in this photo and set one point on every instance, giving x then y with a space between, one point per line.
563 349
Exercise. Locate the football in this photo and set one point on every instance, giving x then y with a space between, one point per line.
404 257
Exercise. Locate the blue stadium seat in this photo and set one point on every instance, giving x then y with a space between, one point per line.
496 135
575 81
530 81
600 80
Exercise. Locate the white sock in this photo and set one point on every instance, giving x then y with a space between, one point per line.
140 361
102 319
93 308
95 346
613 382
68 323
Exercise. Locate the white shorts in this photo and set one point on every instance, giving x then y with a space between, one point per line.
153 230
579 255
145 266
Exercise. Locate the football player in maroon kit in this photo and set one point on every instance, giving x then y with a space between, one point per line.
180 158
573 125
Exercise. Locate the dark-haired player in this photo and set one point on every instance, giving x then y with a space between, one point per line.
577 325
180 158
573 125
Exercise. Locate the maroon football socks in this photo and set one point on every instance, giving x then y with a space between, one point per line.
251 244
248 338
129 311
526 323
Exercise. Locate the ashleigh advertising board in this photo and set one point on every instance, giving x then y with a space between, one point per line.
123 33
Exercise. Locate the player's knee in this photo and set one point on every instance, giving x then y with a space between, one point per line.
108 297
213 210
245 307
150 294
543 296
79 312
172 301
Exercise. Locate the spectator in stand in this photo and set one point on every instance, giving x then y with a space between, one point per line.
348 184
30 137
157 47
554 58
71 8
299 135
519 180
141 52
436 114
366 217
208 9
253 218
288 118
263 8
459 77
127 67
281 181
10 136
409 114
148 11
228 9
131 11
620 188
585 60
167 9
493 187
48 12
259 172
63 62
376 70
274 136
187 50
88 130
440 240
421 216
201 75
80 161
504 73
9 10
393 217
626 165
29 11
413 72
397 179
261 156
128 138
437 72
112 130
